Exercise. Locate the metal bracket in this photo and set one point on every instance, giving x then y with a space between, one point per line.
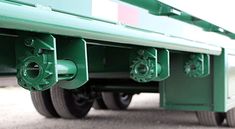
37 65
197 65
149 64
74 49
36 60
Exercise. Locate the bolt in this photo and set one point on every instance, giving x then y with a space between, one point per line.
141 52
142 69
24 73
40 51
29 42
192 56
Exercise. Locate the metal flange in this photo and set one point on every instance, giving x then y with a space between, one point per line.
146 65
37 66
197 65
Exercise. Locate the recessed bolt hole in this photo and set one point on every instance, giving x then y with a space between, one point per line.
141 69
40 51
29 42
192 67
32 70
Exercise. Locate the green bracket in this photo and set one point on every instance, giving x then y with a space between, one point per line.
36 60
197 65
149 64
37 65
74 49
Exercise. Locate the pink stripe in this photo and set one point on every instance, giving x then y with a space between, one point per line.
128 15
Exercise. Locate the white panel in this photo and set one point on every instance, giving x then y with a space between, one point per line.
219 12
231 76
105 9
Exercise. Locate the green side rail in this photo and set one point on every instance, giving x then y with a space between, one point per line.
34 19
158 8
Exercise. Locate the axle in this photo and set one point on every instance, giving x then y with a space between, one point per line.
40 66
66 69
35 76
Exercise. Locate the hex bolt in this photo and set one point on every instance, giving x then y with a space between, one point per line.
40 51
141 52
141 69
29 42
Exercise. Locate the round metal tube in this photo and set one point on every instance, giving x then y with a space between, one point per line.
159 68
66 69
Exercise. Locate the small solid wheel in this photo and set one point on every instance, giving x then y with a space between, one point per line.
99 103
116 101
71 104
210 118
43 104
230 115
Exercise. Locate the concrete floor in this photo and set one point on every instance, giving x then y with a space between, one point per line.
17 112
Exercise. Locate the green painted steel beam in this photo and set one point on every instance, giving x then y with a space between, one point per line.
7 56
220 82
182 92
161 9
47 21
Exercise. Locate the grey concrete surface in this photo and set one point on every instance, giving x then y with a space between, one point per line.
8 81
17 112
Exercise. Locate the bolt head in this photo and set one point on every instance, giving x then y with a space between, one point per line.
29 42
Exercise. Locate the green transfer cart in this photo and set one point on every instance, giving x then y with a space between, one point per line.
98 53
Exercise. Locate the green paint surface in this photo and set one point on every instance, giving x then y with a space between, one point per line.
182 92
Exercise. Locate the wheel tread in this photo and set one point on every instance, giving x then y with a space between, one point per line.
230 115
210 118
109 101
64 103
113 102
58 100
43 103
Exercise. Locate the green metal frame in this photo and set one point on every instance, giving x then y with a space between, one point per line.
201 82
39 67
7 55
223 71
209 93
74 49
183 92
27 18
36 60
149 64
161 9
107 59
220 82
198 65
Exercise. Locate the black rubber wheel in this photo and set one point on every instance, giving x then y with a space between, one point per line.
116 101
70 104
99 103
230 116
43 104
210 118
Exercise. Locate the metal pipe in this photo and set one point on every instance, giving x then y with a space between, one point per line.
66 69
